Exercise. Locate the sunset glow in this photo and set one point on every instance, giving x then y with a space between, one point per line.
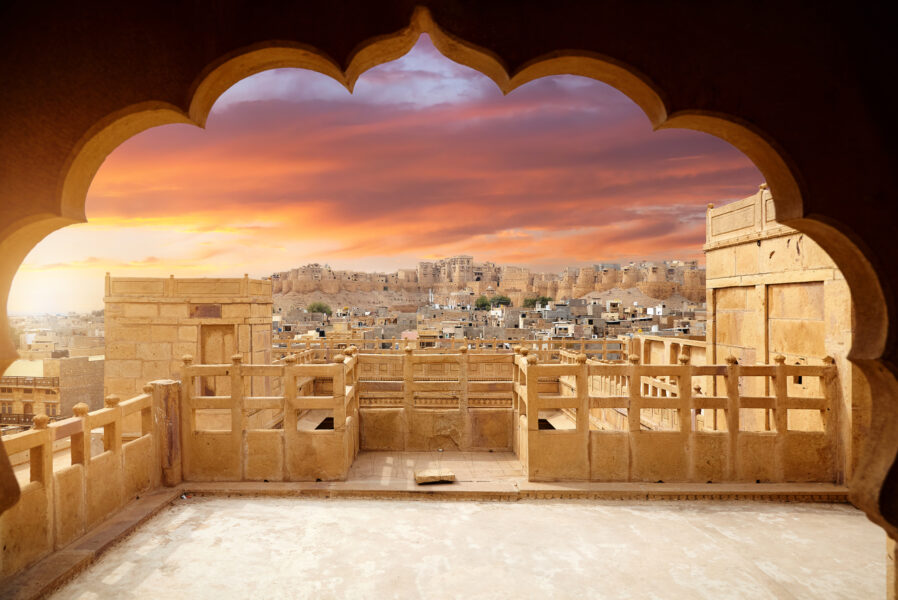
425 159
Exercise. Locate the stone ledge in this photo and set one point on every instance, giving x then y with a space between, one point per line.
755 492
49 573
520 489
491 490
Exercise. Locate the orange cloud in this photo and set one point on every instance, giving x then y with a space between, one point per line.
427 159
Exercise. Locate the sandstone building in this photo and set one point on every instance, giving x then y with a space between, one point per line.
772 291
152 323
50 386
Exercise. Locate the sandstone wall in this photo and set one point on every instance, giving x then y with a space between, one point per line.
152 323
771 290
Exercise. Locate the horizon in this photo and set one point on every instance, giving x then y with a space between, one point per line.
425 159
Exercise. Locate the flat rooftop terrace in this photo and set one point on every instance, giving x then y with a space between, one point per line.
216 547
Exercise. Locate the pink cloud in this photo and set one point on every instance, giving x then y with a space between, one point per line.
382 172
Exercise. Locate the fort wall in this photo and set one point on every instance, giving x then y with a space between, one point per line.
461 273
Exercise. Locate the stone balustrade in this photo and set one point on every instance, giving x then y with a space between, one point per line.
206 427
60 503
588 390
297 450
458 400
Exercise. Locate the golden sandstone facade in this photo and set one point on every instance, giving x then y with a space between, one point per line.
773 292
151 323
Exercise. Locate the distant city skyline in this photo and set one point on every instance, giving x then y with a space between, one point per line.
426 159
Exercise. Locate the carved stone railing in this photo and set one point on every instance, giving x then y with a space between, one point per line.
235 447
314 417
418 400
58 505
637 453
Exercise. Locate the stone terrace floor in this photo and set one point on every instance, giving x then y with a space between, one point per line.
254 547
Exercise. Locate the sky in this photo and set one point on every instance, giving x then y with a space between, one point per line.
425 159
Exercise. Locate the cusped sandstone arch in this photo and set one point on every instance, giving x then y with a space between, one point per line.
343 47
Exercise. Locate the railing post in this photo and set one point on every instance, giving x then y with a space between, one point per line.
463 361
831 415
112 432
686 413
582 382
684 391
780 416
167 411
41 459
532 375
188 414
339 392
732 415
238 426
408 379
634 387
521 380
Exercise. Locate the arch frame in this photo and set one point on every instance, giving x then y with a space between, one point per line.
874 487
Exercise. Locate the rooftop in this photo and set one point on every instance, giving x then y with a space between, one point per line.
310 548
25 368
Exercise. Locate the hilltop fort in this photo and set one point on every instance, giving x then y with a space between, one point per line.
449 278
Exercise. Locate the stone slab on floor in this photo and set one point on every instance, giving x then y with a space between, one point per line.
431 476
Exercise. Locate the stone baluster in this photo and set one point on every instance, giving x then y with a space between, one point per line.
112 438
238 424
582 382
634 380
831 413
532 375
732 415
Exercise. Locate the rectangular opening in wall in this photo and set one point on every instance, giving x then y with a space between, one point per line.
315 420
562 420
21 465
608 419
659 419
97 444
216 420
804 386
